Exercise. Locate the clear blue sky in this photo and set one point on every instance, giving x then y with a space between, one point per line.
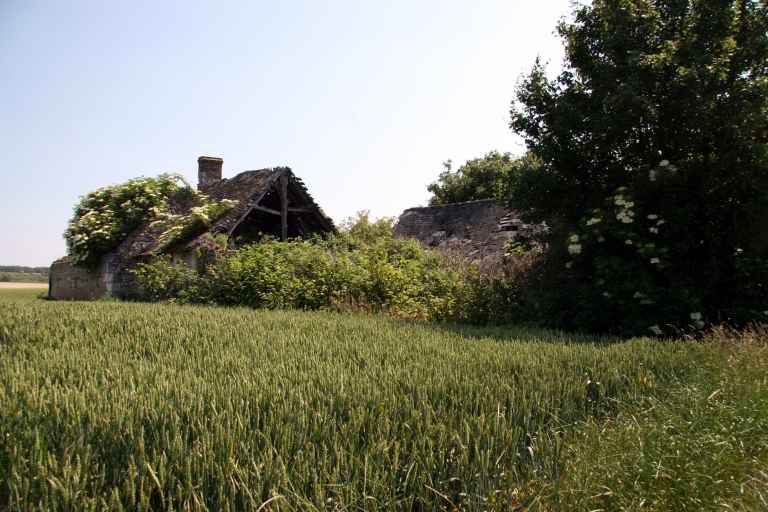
364 100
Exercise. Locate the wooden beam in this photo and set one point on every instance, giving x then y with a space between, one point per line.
300 210
284 208
266 210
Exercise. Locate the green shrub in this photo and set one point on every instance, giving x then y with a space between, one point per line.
162 279
362 268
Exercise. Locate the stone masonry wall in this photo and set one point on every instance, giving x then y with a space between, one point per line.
113 278
476 229
69 282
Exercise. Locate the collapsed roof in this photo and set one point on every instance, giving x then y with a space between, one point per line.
272 202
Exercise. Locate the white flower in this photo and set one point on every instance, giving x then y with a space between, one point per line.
696 316
628 242
569 264
593 221
606 294
652 216
619 200
655 261
653 230
574 249
652 175
601 239
625 219
655 330
699 324
574 239
664 163
765 313
638 295
660 222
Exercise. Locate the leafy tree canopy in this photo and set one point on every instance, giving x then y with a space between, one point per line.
658 123
480 178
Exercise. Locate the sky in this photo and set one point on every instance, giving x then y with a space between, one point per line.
364 100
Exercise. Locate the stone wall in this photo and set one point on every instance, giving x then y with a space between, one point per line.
118 278
476 229
112 278
68 282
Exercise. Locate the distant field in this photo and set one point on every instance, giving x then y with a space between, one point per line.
23 277
11 286
108 405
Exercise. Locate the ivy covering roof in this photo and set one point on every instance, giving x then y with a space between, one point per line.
247 188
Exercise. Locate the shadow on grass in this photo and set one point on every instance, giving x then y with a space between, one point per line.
520 332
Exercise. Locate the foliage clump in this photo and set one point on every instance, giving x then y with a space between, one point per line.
105 217
180 226
364 267
654 166
480 178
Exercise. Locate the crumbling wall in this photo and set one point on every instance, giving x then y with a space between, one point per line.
476 229
69 282
111 278
118 278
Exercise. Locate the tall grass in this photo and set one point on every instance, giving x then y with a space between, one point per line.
701 446
112 406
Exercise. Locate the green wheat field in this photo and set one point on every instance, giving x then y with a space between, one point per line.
128 406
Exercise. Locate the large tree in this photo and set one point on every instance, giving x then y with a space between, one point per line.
479 178
654 145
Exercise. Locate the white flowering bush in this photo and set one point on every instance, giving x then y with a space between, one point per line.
620 257
667 249
103 218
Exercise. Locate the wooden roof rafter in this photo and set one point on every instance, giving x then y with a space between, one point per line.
284 179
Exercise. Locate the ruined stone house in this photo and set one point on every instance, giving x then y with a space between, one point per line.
478 230
269 202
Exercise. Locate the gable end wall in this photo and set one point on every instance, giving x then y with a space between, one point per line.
68 282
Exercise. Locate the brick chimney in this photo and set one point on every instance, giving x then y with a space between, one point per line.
208 171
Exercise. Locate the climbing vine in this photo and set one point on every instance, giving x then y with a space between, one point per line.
176 227
105 217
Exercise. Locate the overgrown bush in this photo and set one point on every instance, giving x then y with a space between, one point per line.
362 268
654 166
164 279
103 218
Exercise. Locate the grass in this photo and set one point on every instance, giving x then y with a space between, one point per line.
110 406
